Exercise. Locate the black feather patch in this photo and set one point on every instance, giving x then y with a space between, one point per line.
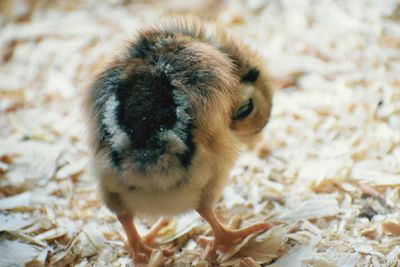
251 76
146 106
142 48
116 159
187 156
152 111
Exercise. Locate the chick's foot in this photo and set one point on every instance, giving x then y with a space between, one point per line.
225 238
142 248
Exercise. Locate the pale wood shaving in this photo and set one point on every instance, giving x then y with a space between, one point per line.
14 222
16 201
326 172
14 253
261 248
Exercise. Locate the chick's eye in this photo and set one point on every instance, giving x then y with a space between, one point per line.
244 110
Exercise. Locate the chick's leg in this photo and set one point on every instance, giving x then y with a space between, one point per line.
224 237
140 252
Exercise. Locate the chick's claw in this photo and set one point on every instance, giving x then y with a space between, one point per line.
140 252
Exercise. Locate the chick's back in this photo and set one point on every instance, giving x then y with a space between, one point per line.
160 113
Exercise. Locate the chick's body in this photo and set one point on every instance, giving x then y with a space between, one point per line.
167 119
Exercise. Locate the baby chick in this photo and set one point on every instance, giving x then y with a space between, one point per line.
166 122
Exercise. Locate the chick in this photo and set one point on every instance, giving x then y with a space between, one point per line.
166 122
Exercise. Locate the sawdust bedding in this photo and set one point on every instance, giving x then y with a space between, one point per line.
326 173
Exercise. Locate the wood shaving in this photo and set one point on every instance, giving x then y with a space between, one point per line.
15 253
391 227
326 172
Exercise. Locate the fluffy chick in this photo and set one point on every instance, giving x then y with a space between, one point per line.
166 122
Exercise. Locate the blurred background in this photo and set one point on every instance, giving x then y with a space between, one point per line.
326 173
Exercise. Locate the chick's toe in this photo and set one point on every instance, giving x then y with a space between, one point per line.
155 229
142 248
225 238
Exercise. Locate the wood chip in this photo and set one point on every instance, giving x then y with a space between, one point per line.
391 227
17 201
15 253
325 171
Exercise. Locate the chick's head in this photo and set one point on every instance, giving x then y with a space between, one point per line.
253 104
